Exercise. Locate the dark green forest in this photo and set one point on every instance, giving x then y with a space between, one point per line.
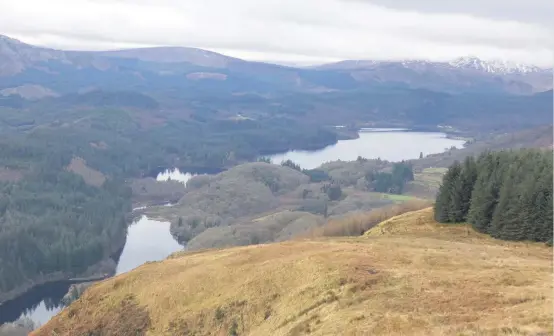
507 194
51 220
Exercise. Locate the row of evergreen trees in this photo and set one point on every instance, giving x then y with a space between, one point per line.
505 194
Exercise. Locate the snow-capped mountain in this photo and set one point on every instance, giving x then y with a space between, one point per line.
461 74
469 63
493 66
24 65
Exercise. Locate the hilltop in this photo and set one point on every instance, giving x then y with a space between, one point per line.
408 275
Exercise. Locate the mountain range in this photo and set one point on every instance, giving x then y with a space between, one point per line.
35 72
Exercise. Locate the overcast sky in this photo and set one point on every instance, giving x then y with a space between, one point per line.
295 31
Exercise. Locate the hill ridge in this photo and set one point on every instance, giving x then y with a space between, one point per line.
441 283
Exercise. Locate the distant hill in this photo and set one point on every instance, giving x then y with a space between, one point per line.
536 137
463 74
173 55
408 275
154 68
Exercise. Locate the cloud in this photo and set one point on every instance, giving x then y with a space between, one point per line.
307 31
528 11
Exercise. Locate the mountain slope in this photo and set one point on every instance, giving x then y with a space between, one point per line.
422 279
167 68
147 69
173 55
462 74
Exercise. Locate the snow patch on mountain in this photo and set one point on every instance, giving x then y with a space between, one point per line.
493 66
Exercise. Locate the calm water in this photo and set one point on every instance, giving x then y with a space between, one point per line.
387 144
147 240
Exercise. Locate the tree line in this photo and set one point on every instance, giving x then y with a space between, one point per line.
507 194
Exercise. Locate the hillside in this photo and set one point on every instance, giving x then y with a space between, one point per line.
194 88
259 202
534 137
408 275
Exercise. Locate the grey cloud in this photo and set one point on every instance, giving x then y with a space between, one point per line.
529 11
308 30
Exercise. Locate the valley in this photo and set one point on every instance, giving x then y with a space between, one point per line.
289 214
109 160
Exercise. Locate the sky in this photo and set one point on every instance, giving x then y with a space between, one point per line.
298 32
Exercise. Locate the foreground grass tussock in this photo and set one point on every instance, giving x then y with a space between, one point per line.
407 276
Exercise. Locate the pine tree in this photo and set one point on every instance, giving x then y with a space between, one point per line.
455 214
527 215
443 202
483 200
542 228
468 178
462 190
506 222
506 194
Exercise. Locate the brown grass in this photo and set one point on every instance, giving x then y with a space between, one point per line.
357 224
127 319
91 176
414 278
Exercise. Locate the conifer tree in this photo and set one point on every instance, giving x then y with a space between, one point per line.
483 200
468 178
506 194
505 222
455 205
444 198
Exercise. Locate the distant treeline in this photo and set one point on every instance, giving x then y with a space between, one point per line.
391 182
505 194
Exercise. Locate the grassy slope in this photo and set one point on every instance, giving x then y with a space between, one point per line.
408 275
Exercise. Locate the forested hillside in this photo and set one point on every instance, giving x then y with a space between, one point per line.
52 223
55 223
505 194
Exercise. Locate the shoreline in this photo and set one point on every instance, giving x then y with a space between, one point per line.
100 269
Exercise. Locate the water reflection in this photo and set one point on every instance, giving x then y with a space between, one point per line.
39 304
147 240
